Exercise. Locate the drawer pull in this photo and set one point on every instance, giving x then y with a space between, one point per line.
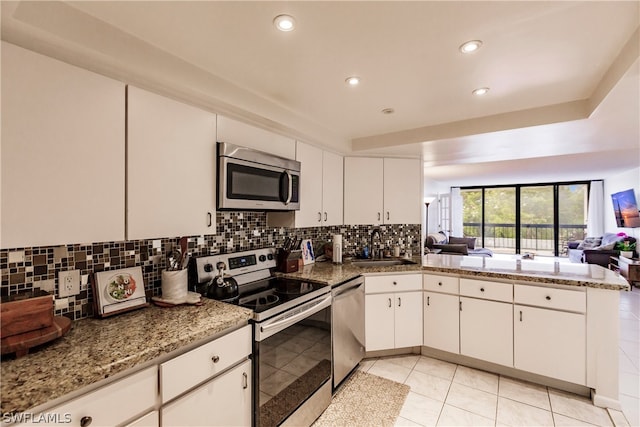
245 381
439 283
481 289
215 359
395 283
85 421
548 298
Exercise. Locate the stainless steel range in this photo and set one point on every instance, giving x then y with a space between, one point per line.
291 329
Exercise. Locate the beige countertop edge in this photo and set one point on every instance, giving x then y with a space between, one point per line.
95 350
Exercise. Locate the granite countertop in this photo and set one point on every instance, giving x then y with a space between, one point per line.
535 271
95 349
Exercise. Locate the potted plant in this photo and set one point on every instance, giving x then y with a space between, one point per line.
626 246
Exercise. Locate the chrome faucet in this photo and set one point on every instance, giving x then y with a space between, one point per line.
373 251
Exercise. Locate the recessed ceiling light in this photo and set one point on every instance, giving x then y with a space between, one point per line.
470 46
388 111
353 81
480 91
284 22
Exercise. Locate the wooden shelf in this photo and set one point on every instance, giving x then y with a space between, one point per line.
629 268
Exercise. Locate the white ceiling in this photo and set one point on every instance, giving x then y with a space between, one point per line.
564 98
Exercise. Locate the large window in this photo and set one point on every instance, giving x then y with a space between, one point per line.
540 219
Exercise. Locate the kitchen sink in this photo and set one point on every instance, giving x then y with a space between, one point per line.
382 262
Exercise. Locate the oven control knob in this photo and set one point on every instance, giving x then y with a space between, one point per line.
262 258
269 257
208 268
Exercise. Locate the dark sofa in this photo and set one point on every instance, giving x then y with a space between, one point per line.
595 250
454 245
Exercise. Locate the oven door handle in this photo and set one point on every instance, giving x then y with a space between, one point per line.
274 327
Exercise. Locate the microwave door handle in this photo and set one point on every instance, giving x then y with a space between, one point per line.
289 187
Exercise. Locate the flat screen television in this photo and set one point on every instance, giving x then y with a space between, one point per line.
626 208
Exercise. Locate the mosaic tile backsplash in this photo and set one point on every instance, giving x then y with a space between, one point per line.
26 269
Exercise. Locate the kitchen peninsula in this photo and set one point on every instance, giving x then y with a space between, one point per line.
96 350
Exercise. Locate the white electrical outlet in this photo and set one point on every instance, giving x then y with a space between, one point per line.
68 283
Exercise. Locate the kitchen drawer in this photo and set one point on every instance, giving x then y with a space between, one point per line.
446 284
192 368
113 403
393 283
486 290
560 299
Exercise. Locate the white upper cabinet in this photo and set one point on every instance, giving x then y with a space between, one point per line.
402 196
363 190
238 133
382 191
321 187
332 188
62 153
171 168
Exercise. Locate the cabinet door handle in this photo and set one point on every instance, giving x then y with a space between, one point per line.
215 359
378 216
325 216
460 305
521 315
387 215
209 219
428 300
319 216
389 302
85 421
548 298
245 380
399 302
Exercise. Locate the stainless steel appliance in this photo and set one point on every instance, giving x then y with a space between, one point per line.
348 328
251 179
292 335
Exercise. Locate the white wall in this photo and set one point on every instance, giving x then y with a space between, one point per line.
431 190
614 184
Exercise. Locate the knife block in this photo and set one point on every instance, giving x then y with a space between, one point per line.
287 261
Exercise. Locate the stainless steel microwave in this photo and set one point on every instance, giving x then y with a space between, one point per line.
254 180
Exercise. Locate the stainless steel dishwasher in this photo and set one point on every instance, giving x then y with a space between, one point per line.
347 328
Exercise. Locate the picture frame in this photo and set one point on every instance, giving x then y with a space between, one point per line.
118 291
307 252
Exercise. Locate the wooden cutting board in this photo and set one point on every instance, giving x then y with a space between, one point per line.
21 343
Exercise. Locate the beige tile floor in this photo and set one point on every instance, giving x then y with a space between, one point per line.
445 394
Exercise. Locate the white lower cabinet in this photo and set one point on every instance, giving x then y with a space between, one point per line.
110 405
223 401
550 342
152 419
442 321
393 319
486 330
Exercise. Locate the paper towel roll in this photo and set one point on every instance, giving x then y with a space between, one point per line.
337 248
174 284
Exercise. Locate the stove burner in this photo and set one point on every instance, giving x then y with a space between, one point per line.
260 302
293 288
